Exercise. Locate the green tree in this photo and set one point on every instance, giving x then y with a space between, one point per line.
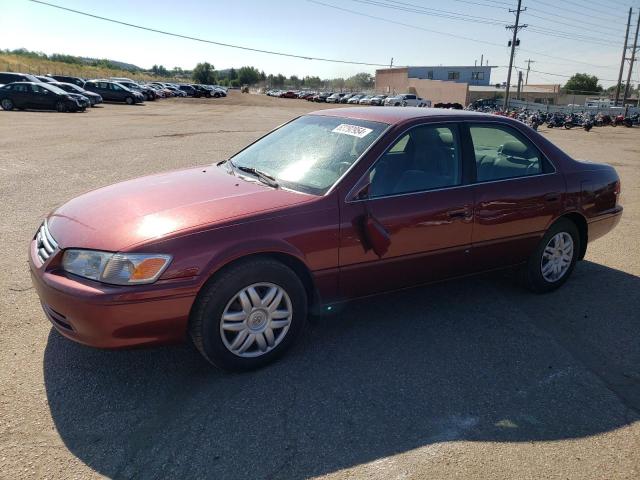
232 75
583 82
360 81
294 81
204 73
248 75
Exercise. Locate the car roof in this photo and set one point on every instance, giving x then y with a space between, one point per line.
396 115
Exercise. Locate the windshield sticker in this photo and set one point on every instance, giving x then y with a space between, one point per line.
353 130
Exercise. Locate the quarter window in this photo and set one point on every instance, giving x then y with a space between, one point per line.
502 153
426 158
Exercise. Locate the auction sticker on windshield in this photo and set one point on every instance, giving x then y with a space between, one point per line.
353 130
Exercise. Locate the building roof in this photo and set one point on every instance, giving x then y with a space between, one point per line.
494 89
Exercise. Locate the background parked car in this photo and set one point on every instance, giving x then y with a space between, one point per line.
378 100
355 99
404 100
189 90
94 98
335 98
366 100
67 79
147 93
37 95
114 92
8 77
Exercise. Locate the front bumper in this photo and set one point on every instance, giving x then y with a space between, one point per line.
107 316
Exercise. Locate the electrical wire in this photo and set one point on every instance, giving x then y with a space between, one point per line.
213 42
453 35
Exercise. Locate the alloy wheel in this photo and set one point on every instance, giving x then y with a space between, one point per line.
7 104
557 257
256 320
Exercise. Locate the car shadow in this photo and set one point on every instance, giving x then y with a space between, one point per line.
477 359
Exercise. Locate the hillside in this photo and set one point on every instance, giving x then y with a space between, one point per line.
41 66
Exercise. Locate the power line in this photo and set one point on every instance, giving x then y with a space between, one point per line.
590 7
412 8
453 35
578 11
213 42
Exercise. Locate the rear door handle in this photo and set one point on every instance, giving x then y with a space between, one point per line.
552 197
458 213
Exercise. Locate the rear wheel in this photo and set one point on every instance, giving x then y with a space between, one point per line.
249 315
7 104
555 257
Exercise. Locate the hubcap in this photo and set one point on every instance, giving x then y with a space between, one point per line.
256 320
6 103
557 257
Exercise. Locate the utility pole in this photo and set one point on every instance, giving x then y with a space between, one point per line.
624 56
529 62
633 59
391 63
515 29
519 85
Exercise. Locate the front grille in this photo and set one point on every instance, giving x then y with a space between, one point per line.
45 243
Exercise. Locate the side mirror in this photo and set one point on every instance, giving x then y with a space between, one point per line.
362 191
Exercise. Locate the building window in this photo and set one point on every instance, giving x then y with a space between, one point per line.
430 75
477 75
453 75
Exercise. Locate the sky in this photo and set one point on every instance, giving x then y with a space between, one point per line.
563 37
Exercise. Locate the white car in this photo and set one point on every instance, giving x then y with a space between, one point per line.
405 100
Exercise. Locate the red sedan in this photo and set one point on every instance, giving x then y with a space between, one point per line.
334 205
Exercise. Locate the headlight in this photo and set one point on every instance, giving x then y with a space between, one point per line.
115 268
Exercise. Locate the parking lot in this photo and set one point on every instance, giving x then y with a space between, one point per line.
475 378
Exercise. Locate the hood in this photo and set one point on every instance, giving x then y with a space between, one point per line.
147 208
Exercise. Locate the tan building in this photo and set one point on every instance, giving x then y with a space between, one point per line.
393 81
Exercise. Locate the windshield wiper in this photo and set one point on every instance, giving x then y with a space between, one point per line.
262 176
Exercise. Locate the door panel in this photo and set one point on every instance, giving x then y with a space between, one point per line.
511 216
429 239
518 196
414 223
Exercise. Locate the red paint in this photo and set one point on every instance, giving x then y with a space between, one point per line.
206 218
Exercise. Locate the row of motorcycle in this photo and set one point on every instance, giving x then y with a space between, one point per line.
583 120
580 120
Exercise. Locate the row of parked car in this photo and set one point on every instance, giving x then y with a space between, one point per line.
401 100
70 94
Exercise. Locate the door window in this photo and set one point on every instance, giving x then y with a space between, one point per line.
502 153
425 158
115 87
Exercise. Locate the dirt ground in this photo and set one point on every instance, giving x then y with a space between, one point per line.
474 378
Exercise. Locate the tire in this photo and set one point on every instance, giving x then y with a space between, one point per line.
61 107
129 100
221 294
534 276
7 104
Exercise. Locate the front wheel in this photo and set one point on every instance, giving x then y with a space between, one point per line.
249 315
7 104
555 257
129 100
61 107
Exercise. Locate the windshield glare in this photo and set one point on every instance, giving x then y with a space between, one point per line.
53 88
312 152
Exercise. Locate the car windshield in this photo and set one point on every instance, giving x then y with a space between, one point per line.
53 88
69 87
312 152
